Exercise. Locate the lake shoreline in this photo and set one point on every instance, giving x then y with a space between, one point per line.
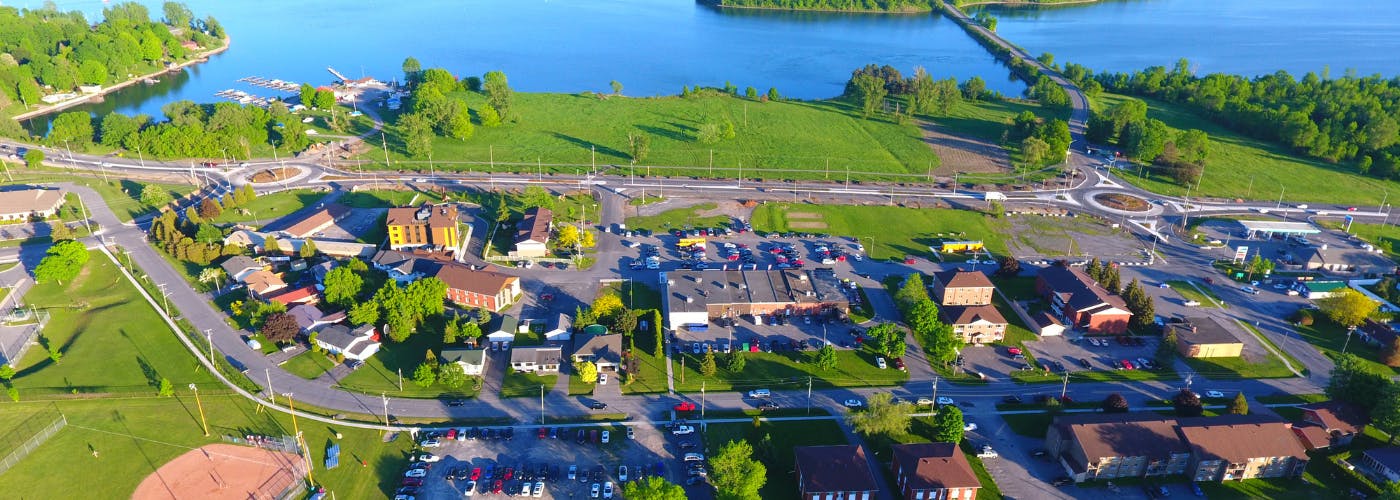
833 11
88 98
1024 3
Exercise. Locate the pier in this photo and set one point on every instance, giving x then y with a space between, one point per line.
274 84
242 97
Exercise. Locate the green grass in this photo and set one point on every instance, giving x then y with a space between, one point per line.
988 120
386 198
122 196
918 228
855 368
782 483
679 218
1204 294
520 384
530 338
1239 368
309 365
1029 424
639 297
577 387
1291 398
771 140
135 436
1095 375
1016 287
650 377
380 373
1237 162
270 207
1017 333
111 339
1329 337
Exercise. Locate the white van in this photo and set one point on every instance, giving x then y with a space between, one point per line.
760 393
694 457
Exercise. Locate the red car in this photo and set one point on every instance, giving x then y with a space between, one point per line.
1127 365
685 406
544 433
412 481
496 488
1014 351
909 260
476 474
452 434
510 473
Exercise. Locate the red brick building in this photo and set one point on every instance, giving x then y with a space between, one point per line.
1081 303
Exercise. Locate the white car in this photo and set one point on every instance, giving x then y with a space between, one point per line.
923 402
593 491
945 401
607 489
538 490
602 379
969 427
880 362
631 434
573 472
682 430
622 473
1215 394
525 489
470 489
987 452
429 458
430 443
606 436
416 473
853 403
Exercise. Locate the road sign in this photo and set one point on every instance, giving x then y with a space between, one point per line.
1348 220
1241 253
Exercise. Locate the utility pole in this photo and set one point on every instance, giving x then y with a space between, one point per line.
935 390
86 216
202 422
702 396
297 430
385 399
1064 386
400 379
595 157
541 404
809 395
271 394
209 339
384 144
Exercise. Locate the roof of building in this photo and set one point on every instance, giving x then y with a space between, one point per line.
27 201
238 264
563 323
1238 438
320 270
535 225
1347 257
316 221
695 290
505 323
1388 456
460 277
347 340
1313 437
540 355
1273 226
935 466
966 315
963 279
604 348
422 263
434 216
1045 319
1380 332
1324 286
295 295
1078 291
1338 415
263 281
306 315
833 468
1204 330
1135 434
460 355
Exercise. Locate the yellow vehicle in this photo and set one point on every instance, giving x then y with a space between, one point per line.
689 242
962 246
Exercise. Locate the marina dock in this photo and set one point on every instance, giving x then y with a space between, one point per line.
274 84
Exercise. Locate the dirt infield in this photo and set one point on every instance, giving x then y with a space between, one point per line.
222 471
806 225
803 215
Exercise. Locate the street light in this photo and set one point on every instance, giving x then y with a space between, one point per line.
1350 330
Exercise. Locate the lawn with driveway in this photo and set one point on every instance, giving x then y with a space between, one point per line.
917 230
787 369
396 361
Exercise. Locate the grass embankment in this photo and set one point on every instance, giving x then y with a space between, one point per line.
918 228
1200 293
110 340
269 207
1329 338
786 369
680 218
780 139
1242 167
387 198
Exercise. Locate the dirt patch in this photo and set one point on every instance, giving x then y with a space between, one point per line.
1123 202
223 471
959 153
807 225
272 175
729 208
803 215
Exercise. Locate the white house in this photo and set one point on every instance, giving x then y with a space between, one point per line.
473 361
502 333
561 331
24 204
358 344
536 359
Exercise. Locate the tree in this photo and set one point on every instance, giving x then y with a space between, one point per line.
364 313
911 292
888 339
280 327
470 330
882 416
707 364
59 231
166 388
735 361
638 145
1145 141
1239 406
616 87
1260 265
489 116
1140 304
566 236
1115 403
271 246
923 317
308 249
425 374
871 92
1034 150
417 134
209 209
34 158
1166 350
324 99
452 375
587 371
1390 355
1008 266
73 128
1094 269
62 262
343 286
208 234
153 195
948 424
498 92
411 69
1353 382
973 88
826 358
7 372
735 474
653 488
177 14
1347 307
457 123
773 94
13 393
1187 404
1385 416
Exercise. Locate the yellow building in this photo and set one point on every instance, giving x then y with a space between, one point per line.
425 226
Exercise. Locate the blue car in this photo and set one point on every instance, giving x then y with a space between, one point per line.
1196 489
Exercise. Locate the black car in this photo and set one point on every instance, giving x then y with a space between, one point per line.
1013 399
510 432
597 405
554 433
1062 481
1085 363
767 405
582 436
456 402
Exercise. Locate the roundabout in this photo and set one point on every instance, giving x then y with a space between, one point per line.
1121 203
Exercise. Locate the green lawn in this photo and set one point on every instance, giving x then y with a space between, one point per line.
1329 338
787 369
133 437
269 207
639 297
1241 167
1291 398
386 198
1238 367
1029 424
1204 294
577 387
650 377
988 120
1017 287
520 384
111 340
918 228
309 365
679 218
1095 375
772 139
782 483
122 196
380 373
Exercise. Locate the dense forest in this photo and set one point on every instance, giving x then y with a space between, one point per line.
1352 119
190 130
46 51
837 5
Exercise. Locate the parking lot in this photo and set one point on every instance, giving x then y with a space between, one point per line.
358 222
1109 353
509 460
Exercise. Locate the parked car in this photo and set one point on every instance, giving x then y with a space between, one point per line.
944 401
683 430
594 490
853 403
880 362
684 406
898 364
430 443
760 393
631 434
622 473
923 402
429 458
597 405
987 452
1215 394
608 489
1062 481
767 405
969 427
606 436
1011 399
416 473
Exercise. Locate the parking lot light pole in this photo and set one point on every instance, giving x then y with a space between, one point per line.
1350 330
541 404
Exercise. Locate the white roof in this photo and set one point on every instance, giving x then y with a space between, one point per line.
1271 226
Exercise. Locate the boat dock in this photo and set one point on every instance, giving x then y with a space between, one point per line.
242 97
275 84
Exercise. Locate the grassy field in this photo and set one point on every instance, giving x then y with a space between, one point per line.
1329 338
1204 294
380 372
133 437
521 384
122 196
1095 375
110 339
679 218
786 369
1241 167
385 198
309 365
650 377
269 207
1029 424
772 139
782 483
988 120
1239 367
917 230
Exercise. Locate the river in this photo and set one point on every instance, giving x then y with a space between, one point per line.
650 46
1246 37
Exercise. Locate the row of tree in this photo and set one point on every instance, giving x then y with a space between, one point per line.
1041 142
435 111
1144 139
45 50
1352 381
222 130
921 314
870 85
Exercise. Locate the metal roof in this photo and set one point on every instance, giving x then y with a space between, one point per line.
1272 226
